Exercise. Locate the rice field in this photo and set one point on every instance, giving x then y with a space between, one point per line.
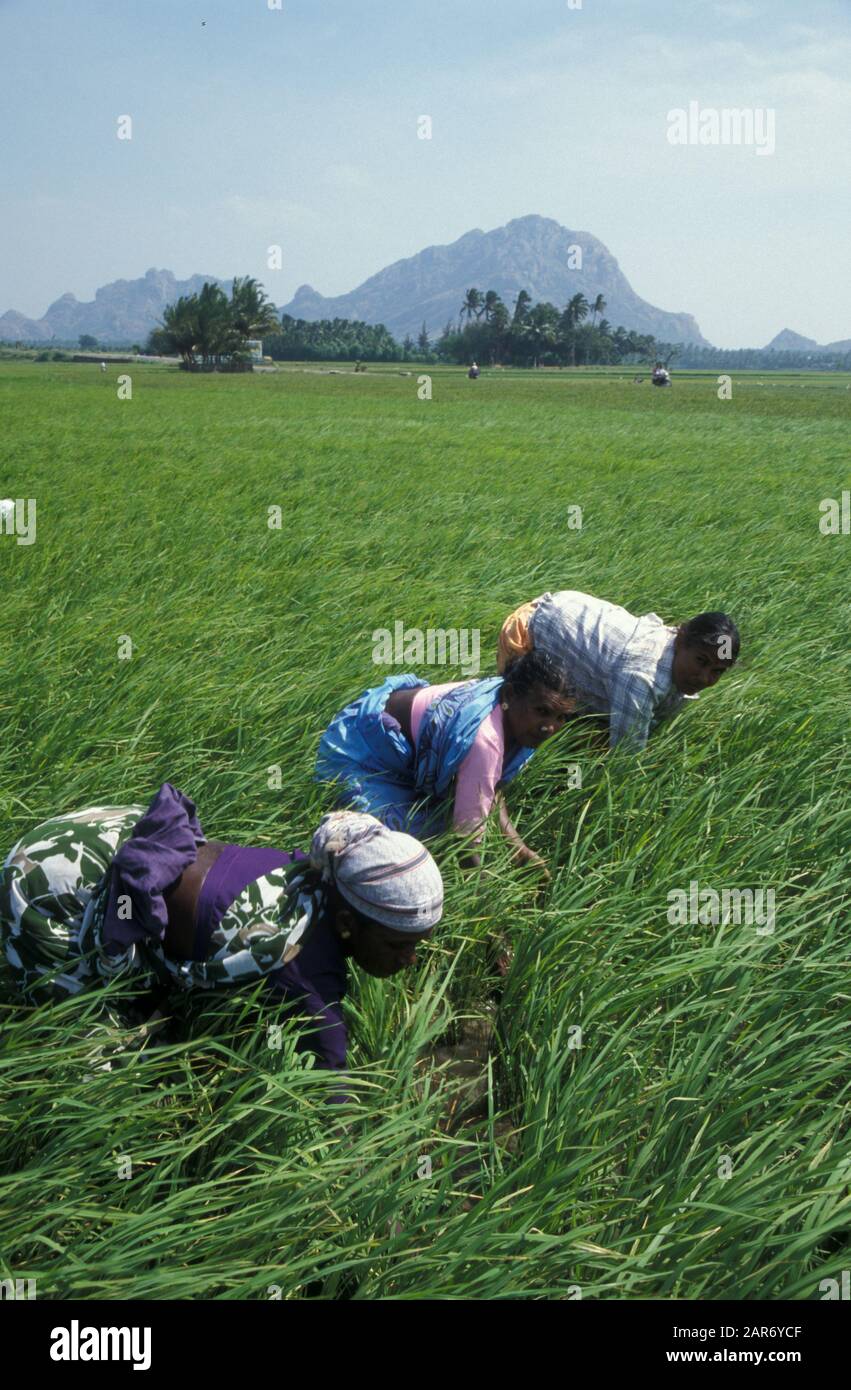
640 1109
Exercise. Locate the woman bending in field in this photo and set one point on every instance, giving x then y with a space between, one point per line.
124 892
636 672
401 748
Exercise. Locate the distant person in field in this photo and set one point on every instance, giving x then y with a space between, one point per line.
127 892
474 371
103 366
410 752
636 671
661 375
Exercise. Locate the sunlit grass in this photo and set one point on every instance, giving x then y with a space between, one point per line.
595 1166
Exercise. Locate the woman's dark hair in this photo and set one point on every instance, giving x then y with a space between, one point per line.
535 670
711 630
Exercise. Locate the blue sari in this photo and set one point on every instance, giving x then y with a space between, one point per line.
378 770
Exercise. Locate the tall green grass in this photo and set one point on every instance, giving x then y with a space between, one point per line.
591 1168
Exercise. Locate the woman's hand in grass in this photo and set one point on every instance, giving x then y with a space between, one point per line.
501 953
524 855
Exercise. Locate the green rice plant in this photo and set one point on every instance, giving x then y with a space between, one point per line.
664 1109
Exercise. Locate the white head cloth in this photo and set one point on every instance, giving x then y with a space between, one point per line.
384 874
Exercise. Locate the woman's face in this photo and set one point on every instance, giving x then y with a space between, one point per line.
378 950
531 718
697 668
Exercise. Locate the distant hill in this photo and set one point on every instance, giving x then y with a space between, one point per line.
122 312
530 253
787 341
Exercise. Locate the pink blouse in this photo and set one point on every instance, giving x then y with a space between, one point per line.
479 773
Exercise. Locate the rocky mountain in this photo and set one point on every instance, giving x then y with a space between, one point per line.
531 253
122 312
787 341
14 327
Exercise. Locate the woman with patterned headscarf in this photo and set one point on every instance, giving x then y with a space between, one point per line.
114 892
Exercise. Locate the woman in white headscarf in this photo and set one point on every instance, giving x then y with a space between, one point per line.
114 892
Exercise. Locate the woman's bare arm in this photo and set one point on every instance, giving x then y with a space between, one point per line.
522 853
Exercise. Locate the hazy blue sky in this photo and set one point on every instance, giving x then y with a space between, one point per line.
299 127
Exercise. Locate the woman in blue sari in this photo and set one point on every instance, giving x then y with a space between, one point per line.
403 747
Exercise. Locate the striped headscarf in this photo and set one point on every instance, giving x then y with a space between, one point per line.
384 874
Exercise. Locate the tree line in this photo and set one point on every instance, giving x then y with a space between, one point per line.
713 359
331 340
534 335
210 331
531 335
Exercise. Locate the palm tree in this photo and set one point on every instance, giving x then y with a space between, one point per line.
605 348
521 308
180 328
645 344
578 308
540 329
598 307
575 311
472 305
490 302
585 341
499 325
217 333
252 312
